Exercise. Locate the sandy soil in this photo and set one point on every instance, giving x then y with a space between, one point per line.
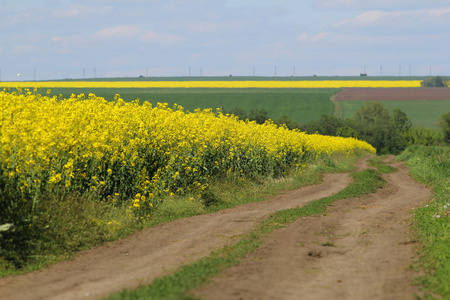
361 249
155 252
393 94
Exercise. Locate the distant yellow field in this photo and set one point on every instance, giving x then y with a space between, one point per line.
214 84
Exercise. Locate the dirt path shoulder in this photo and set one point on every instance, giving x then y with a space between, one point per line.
361 249
155 252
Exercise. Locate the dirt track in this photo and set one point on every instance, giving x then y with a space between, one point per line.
361 249
368 249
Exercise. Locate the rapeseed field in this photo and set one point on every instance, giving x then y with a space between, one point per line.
133 152
217 84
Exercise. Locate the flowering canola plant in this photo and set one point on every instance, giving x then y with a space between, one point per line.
219 84
134 152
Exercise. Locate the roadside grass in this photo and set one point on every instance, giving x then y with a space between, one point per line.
78 222
187 278
431 166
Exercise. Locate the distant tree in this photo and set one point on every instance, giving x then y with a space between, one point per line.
424 136
401 121
436 81
371 113
444 124
326 125
237 112
375 126
284 119
347 131
260 116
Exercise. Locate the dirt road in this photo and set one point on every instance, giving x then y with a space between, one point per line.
360 249
155 252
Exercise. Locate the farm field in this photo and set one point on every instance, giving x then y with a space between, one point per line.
424 114
217 84
423 106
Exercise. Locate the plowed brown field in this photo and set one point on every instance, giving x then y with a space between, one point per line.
393 94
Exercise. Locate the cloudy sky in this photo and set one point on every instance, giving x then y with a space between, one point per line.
56 39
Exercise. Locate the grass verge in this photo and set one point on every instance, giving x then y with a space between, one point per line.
431 166
187 278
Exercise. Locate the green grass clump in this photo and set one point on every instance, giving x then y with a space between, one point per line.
187 278
431 166
377 162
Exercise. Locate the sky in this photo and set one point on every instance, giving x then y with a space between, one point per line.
58 39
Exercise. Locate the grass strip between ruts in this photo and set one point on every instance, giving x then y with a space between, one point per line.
189 277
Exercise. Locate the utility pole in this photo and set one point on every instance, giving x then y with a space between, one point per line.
275 71
84 73
293 71
253 71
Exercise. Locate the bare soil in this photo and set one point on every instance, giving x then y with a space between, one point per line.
361 249
393 94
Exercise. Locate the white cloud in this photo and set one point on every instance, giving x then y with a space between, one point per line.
378 17
305 37
158 38
365 18
120 31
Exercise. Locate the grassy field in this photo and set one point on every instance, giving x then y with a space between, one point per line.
300 105
422 113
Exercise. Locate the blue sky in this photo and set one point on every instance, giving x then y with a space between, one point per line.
56 39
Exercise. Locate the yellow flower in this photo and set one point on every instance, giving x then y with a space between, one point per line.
55 178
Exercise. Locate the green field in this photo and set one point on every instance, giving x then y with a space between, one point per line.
424 114
300 105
